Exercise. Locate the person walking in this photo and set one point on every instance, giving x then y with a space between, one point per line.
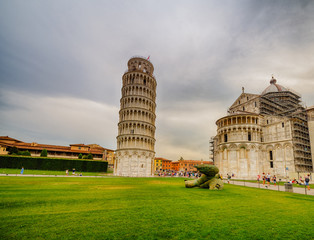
258 177
274 180
22 170
229 177
307 182
268 179
264 179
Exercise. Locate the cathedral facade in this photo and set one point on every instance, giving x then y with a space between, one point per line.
266 133
136 128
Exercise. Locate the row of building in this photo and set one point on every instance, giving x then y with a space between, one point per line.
99 153
72 151
162 164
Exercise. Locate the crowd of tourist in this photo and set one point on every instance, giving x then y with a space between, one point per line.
178 174
267 179
305 182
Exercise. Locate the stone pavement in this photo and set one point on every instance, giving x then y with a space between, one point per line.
300 190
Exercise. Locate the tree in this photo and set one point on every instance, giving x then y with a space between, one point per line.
44 153
80 156
89 156
13 151
24 153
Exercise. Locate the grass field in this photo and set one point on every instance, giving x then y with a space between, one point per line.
147 208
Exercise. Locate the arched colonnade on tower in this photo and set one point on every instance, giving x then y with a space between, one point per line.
138 78
136 128
137 142
139 102
137 115
131 90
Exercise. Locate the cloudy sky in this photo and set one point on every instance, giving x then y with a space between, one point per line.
61 64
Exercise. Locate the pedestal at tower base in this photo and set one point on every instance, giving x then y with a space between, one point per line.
134 163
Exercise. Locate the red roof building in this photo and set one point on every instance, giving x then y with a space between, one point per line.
188 165
166 164
73 151
175 166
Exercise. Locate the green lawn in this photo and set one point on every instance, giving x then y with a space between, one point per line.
147 208
47 172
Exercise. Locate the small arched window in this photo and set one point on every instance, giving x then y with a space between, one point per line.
226 137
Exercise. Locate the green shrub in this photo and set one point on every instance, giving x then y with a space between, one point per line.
13 151
58 164
44 153
80 156
24 153
85 157
89 156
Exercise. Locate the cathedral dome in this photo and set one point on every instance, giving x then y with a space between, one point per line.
274 87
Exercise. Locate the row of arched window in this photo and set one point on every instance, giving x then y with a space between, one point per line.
137 102
138 115
239 129
136 142
138 90
136 78
237 120
136 128
240 135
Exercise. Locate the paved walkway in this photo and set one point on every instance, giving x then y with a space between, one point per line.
300 190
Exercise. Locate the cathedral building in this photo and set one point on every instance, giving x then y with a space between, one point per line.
266 133
310 119
136 128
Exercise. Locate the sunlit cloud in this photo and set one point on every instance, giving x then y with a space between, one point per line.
58 120
61 65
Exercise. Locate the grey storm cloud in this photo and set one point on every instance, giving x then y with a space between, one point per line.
61 64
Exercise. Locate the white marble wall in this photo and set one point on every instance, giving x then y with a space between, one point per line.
246 159
134 163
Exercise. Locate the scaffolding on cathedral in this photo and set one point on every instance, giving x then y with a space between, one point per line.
288 104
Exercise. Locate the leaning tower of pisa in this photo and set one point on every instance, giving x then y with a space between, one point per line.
136 128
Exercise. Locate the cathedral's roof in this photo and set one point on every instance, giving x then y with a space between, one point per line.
274 87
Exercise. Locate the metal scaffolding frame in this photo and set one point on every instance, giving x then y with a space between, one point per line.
288 104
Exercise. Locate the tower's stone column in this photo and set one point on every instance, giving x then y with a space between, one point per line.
136 137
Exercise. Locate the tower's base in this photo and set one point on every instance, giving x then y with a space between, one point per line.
134 163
